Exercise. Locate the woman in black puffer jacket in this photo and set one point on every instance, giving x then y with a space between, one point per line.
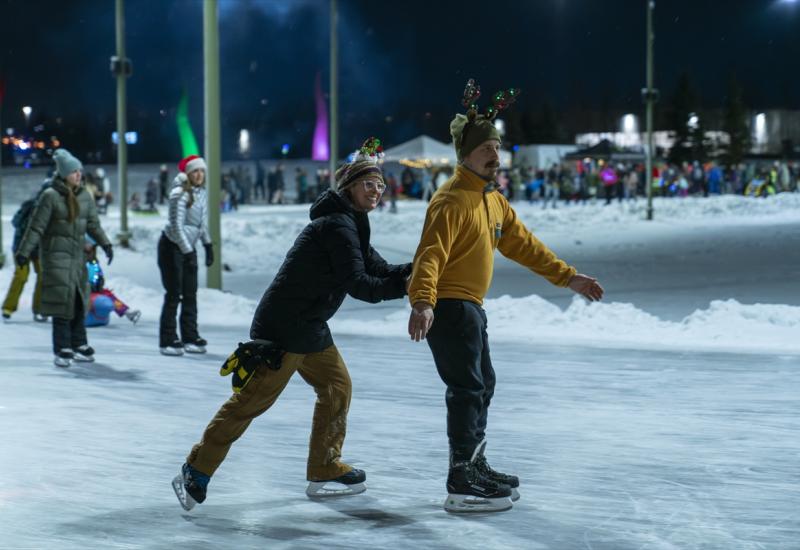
331 257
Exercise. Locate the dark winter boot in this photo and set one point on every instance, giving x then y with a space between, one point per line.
190 486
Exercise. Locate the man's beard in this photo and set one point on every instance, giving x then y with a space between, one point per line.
490 170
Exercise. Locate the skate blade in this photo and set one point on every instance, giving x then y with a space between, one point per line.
63 363
175 352
83 358
191 348
469 504
186 500
318 489
514 494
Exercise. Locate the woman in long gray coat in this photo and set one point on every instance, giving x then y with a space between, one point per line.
64 214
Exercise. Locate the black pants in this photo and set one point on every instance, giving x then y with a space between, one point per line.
179 277
70 333
460 347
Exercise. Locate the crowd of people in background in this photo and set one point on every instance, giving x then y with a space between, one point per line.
566 182
269 186
599 180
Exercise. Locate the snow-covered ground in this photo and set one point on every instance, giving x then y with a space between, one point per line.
665 417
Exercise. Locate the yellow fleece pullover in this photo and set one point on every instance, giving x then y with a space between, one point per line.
467 219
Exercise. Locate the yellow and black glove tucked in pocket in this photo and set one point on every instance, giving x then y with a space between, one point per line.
248 357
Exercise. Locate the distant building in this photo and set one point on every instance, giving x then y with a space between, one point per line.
772 132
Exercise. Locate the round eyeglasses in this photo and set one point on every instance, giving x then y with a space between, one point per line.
374 185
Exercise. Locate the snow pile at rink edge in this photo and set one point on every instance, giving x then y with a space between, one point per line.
724 326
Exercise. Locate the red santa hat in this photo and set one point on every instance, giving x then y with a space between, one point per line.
192 163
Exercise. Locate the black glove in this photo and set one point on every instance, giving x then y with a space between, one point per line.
109 250
209 254
21 260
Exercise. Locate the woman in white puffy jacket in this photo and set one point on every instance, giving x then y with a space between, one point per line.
177 258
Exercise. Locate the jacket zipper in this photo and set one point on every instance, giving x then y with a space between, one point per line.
492 232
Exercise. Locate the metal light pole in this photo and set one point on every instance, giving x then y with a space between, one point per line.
121 68
2 256
650 97
213 154
334 97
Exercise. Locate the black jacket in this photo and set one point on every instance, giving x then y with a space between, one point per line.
331 257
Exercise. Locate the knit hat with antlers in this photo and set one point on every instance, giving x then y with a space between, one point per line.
473 128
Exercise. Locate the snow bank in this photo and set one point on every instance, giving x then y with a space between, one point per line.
724 326
216 307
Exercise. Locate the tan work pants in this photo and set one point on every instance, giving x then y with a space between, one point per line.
326 372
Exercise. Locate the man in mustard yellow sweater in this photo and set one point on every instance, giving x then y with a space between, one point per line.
468 219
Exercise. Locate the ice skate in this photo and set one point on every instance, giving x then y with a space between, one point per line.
39 318
175 348
198 345
83 354
6 315
351 483
470 491
63 358
483 467
133 315
190 486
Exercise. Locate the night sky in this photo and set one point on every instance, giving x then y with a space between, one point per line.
403 68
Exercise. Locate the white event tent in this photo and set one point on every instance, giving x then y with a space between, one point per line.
425 152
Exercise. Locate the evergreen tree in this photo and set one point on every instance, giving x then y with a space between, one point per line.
735 124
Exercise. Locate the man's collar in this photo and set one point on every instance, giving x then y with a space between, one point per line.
474 181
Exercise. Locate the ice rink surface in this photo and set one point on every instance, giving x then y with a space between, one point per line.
659 445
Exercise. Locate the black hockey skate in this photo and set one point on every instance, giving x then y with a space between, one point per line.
190 486
175 348
64 358
469 490
83 354
482 465
195 345
351 483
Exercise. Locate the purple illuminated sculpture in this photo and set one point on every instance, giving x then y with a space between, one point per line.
320 149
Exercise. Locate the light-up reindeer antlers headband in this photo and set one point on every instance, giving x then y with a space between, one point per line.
500 101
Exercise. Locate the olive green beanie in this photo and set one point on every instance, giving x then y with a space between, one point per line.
468 134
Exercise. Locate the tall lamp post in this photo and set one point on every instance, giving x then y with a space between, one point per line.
2 255
212 135
334 97
121 68
650 96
